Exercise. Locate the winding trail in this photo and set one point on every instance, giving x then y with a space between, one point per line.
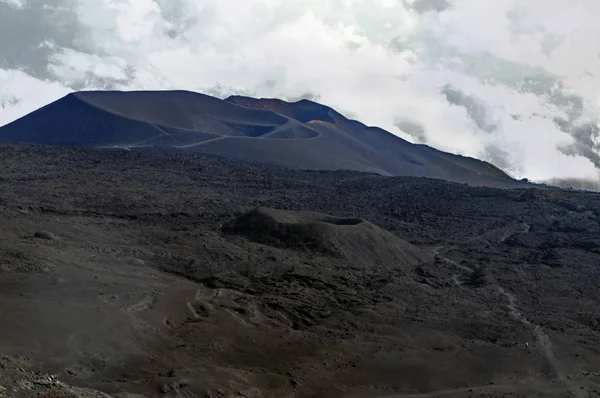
195 144
543 340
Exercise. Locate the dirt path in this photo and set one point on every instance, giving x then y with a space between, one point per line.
541 337
195 144
543 340
156 126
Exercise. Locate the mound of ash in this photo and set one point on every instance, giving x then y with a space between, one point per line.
349 238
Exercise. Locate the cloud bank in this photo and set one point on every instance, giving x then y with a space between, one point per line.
512 82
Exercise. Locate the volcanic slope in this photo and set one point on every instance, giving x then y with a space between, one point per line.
303 134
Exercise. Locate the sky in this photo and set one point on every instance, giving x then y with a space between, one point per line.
513 82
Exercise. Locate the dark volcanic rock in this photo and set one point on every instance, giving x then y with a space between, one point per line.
145 292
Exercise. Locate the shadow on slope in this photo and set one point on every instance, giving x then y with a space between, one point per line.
350 238
384 151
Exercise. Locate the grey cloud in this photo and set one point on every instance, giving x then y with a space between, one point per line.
574 183
422 6
51 28
520 24
178 14
474 107
524 79
586 137
9 102
24 49
498 157
352 46
415 130
491 69
531 80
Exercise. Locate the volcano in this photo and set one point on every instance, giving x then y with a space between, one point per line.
301 135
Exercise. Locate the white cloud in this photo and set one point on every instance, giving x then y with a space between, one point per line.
21 93
513 66
14 3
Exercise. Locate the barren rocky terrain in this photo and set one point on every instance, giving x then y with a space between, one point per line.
166 275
